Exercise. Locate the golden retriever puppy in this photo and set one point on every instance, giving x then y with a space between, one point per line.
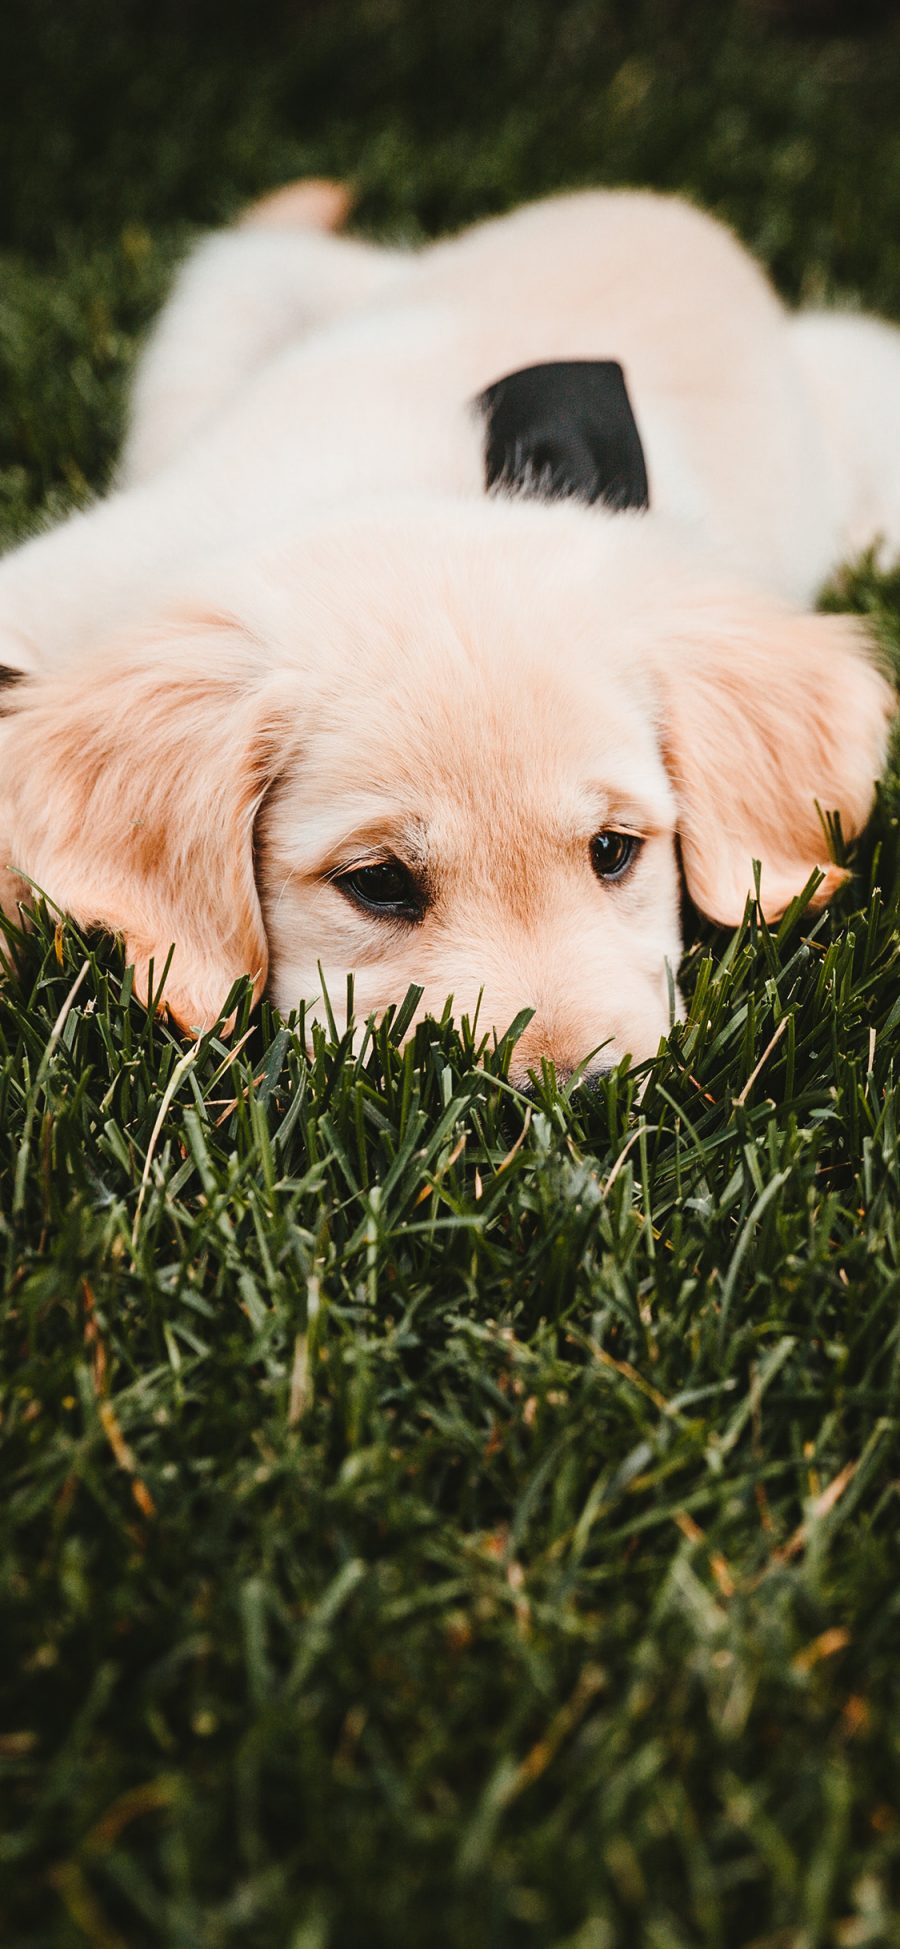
303 698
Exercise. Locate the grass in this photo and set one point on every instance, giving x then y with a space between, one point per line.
430 1517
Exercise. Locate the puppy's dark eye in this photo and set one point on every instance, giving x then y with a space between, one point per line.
388 889
612 853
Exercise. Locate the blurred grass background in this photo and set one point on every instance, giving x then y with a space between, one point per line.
427 1519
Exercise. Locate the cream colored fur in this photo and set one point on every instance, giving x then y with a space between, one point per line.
298 638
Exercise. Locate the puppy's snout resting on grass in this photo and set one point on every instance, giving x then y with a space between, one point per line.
302 699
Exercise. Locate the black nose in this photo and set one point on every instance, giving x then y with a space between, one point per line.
590 1080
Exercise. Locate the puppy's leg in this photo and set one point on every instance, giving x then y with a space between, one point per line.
851 365
243 294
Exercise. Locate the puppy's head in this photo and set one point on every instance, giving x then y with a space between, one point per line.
455 750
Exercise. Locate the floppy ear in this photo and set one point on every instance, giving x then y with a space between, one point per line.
130 791
768 715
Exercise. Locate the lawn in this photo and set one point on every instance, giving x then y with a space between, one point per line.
431 1518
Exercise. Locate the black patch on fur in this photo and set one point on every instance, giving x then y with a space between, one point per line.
565 431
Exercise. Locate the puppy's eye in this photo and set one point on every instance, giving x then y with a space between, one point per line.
613 852
388 889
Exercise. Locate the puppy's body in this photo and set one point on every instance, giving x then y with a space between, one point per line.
304 439
748 417
295 371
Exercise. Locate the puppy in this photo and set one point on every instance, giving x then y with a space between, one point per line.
302 697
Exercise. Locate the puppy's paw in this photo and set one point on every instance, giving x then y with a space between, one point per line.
315 203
